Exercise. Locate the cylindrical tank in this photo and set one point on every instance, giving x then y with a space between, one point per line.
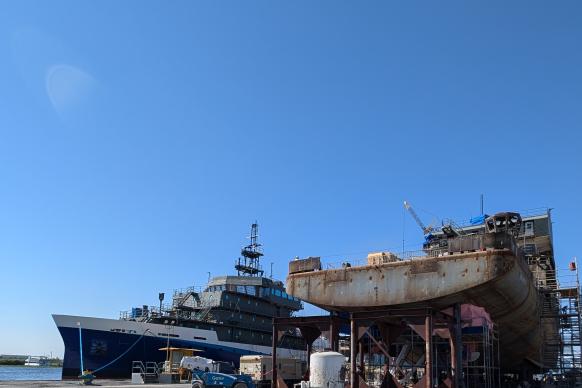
326 369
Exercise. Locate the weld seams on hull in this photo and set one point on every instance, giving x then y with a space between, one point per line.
496 280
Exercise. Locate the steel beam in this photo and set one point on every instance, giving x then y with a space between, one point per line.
457 351
353 353
333 334
428 350
274 355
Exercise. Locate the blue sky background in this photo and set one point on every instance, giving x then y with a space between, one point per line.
139 140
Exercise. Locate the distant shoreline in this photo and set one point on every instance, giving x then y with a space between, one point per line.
56 363
12 362
30 366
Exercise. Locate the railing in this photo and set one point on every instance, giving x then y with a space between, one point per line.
148 371
138 367
152 368
401 256
168 367
150 312
526 213
567 278
207 305
179 292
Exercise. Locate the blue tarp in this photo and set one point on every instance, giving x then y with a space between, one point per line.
478 220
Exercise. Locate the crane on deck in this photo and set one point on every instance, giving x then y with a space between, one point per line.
425 229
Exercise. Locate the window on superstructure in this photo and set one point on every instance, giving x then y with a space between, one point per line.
528 228
529 249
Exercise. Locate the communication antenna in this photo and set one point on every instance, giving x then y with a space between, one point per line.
249 264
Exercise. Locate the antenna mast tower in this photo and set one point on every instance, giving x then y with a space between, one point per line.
249 263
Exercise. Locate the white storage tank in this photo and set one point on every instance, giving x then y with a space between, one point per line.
326 370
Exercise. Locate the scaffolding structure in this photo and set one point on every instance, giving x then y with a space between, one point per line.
481 366
568 294
407 348
562 317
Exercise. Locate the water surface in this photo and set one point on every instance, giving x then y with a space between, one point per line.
29 373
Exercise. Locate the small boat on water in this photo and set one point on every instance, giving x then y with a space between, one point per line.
36 361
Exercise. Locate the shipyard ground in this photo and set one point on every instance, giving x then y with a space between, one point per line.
73 383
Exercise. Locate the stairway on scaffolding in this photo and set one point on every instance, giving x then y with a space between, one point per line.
562 303
145 373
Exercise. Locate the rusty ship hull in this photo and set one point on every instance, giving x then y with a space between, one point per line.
498 280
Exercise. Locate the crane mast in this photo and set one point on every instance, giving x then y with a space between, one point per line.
425 229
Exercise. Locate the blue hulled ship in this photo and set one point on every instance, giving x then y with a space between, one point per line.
230 317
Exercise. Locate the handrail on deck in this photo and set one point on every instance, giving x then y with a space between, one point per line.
401 256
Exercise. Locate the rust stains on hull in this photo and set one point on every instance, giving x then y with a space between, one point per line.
494 279
432 281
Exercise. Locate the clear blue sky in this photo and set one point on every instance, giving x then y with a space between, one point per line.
139 140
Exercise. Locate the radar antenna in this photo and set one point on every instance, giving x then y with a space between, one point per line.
249 263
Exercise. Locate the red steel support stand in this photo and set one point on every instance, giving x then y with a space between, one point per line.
333 335
309 350
457 348
353 352
274 356
428 349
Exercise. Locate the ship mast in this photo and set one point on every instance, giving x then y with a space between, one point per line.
249 263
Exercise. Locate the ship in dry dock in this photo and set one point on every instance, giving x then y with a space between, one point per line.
501 267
